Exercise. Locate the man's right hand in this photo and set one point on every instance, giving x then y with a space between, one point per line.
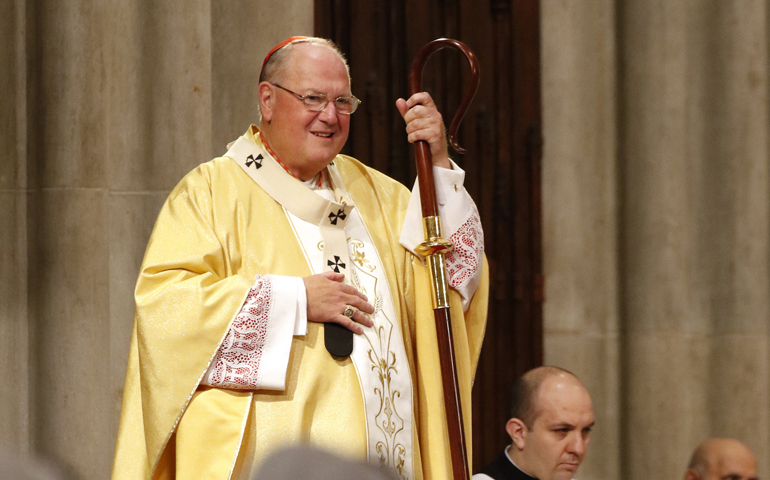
327 298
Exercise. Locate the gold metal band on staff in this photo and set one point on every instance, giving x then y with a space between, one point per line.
433 249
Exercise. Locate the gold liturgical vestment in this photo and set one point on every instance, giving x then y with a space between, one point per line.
218 230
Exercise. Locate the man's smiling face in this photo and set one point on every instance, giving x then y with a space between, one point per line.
307 141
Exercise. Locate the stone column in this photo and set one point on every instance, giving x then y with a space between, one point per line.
694 157
657 229
665 348
14 328
580 211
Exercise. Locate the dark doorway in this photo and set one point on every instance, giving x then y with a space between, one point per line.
502 135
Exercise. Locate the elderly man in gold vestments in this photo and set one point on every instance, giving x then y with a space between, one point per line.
258 256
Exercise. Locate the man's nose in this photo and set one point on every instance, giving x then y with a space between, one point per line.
577 445
329 113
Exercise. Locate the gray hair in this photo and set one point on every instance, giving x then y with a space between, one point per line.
278 64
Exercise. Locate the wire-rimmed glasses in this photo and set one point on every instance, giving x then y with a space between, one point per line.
316 102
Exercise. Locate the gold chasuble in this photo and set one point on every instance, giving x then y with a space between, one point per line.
219 229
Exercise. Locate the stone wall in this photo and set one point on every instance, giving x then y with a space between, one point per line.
656 225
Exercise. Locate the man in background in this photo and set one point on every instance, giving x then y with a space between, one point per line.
723 459
550 428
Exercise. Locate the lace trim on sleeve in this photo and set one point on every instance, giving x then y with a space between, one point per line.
236 364
465 260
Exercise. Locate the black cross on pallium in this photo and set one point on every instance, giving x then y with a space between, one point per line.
257 162
334 216
336 264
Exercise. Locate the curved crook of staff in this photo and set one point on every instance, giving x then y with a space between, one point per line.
435 247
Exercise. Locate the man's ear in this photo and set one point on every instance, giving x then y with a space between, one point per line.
517 430
692 475
266 100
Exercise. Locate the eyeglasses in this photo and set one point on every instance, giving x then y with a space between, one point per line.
316 102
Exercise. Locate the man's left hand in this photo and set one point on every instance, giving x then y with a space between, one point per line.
424 122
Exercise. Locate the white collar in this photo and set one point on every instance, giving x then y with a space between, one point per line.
514 463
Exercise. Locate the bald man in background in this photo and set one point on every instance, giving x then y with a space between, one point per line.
723 459
550 428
